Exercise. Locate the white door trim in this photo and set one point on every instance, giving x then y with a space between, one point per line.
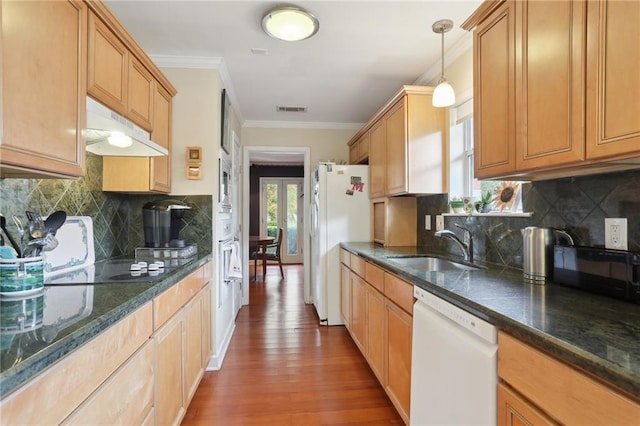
306 187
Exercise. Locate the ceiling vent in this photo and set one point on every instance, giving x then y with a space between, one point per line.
291 109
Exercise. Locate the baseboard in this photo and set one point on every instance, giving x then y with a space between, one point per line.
215 363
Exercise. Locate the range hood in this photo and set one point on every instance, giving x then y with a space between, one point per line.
110 134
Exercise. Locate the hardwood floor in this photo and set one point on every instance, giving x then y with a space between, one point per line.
282 368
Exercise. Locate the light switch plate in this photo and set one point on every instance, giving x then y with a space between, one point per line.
615 233
427 222
439 222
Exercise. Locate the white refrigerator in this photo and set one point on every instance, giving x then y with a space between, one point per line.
340 212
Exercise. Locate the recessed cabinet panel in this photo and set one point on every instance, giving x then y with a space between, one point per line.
43 88
613 80
160 179
395 123
141 91
552 131
377 160
494 94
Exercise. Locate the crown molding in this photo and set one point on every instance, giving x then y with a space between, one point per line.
301 125
455 51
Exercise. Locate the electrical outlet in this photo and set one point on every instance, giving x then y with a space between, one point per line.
427 222
615 233
439 222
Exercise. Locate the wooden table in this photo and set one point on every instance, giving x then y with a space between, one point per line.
256 241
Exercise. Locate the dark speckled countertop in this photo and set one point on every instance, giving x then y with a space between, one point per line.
598 334
73 314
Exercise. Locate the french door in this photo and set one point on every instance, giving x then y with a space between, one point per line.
281 206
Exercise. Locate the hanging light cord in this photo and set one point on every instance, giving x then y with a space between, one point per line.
442 50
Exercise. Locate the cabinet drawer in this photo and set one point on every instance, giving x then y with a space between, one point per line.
54 394
374 276
357 265
566 394
174 298
345 257
399 292
127 397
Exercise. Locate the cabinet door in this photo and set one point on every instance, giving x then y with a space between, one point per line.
363 148
513 410
396 146
108 67
551 108
345 291
169 382
160 179
376 333
192 347
494 97
44 88
358 312
377 160
613 84
398 384
141 93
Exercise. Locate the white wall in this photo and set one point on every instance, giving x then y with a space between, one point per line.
324 144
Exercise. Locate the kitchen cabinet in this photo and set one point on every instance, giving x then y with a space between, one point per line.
345 294
207 317
613 86
408 148
359 150
519 133
381 326
71 380
377 160
546 388
394 221
43 101
180 322
126 398
116 77
144 174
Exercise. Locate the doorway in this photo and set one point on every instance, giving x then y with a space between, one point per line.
302 155
281 207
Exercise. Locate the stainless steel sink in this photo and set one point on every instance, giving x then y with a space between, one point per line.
427 263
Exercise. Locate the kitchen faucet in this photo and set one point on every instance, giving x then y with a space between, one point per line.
466 246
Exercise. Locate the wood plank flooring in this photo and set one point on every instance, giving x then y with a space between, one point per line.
282 368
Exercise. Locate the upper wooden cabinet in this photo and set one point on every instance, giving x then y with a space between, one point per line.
359 150
43 100
408 151
116 77
613 79
545 73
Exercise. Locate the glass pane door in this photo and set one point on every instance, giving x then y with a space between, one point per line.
281 207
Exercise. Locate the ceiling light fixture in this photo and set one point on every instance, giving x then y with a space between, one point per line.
290 23
443 95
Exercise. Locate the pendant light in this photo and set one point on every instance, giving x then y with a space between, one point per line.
443 95
290 23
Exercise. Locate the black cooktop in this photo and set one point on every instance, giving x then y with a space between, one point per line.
116 271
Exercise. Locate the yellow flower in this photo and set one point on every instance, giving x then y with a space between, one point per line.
505 195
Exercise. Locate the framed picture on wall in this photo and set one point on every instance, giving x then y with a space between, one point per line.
225 139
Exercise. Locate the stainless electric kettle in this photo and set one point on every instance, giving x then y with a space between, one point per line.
537 252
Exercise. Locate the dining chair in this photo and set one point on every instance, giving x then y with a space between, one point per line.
273 254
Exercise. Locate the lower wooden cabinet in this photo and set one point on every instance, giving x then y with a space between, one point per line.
169 383
192 347
537 387
399 325
381 325
345 292
126 398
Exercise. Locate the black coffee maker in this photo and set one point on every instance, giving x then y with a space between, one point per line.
162 221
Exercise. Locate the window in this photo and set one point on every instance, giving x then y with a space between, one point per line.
506 195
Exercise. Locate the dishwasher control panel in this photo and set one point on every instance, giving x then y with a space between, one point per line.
461 317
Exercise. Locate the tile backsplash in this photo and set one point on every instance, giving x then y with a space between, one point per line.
117 218
578 205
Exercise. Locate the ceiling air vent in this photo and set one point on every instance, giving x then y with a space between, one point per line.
291 109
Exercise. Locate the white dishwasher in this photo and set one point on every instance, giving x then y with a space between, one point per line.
453 365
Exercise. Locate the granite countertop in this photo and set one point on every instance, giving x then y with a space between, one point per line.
598 334
73 314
